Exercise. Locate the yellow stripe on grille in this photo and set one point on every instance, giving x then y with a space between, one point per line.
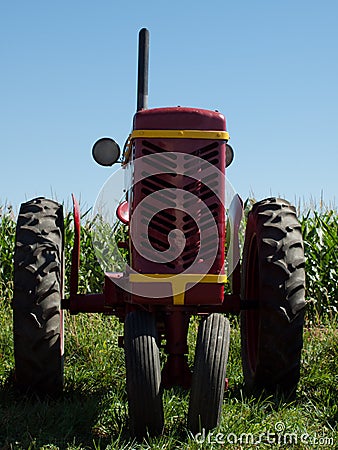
181 134
173 134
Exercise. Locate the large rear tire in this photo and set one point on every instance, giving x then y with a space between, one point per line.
38 289
208 379
273 277
143 372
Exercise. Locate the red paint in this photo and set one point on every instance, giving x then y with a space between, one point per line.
122 212
172 217
114 294
88 303
179 118
161 294
176 371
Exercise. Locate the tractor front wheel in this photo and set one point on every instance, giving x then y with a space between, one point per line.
273 280
143 372
208 379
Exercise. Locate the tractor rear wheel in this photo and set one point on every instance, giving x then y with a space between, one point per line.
38 289
208 379
143 372
273 279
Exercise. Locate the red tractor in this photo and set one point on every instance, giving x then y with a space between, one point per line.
183 261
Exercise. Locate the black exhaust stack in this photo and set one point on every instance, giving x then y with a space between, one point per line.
143 66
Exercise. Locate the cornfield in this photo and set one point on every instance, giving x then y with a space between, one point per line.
320 234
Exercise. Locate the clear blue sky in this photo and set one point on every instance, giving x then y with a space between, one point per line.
68 77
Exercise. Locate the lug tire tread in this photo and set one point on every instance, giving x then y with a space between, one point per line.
38 288
282 296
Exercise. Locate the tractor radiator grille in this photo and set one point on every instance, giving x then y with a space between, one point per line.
166 200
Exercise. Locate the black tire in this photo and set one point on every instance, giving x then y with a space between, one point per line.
273 276
38 289
208 379
143 373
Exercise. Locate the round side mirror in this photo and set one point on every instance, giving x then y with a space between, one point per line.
106 151
229 155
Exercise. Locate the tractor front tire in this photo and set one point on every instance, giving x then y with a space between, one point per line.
143 372
208 379
38 289
273 279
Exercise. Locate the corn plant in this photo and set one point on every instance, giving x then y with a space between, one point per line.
320 234
106 238
7 239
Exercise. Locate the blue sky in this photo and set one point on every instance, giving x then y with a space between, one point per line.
68 77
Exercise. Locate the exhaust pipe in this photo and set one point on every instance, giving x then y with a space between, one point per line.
143 66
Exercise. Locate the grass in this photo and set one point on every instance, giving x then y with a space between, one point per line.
92 413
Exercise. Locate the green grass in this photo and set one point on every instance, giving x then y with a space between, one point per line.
93 410
92 413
